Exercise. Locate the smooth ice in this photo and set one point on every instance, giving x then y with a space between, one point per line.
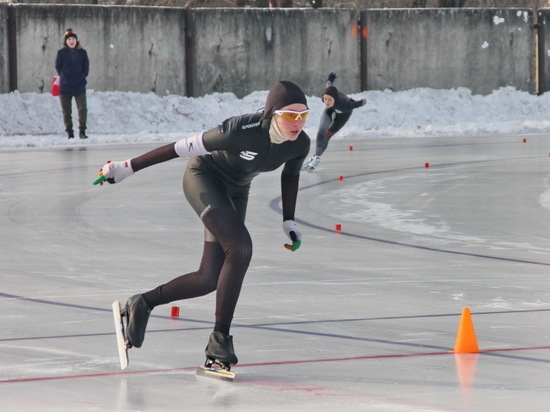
361 319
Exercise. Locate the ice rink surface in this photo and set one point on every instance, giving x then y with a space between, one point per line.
362 319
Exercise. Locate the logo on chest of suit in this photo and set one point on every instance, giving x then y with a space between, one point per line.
247 155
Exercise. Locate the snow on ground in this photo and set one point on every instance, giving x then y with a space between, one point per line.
31 120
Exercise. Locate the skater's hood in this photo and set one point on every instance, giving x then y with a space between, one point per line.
283 93
332 92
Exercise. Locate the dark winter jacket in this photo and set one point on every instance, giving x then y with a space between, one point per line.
72 65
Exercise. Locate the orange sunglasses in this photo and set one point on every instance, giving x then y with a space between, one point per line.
292 116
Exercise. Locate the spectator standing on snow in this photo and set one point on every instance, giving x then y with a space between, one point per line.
72 66
336 114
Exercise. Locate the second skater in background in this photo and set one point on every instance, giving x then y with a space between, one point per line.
336 114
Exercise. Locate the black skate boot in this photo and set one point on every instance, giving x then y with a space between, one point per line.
219 357
137 314
220 348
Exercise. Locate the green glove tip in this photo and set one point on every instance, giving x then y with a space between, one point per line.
99 180
295 245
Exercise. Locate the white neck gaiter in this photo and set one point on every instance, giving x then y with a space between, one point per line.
275 134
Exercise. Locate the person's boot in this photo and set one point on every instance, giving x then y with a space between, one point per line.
220 347
137 313
83 133
70 134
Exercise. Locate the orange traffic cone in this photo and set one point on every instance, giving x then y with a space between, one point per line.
466 341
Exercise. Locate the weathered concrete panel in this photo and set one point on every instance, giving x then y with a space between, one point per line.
144 49
243 50
4 61
481 49
140 49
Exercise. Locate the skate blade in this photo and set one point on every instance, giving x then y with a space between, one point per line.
121 341
216 373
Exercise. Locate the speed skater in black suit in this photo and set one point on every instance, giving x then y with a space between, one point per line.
338 109
222 163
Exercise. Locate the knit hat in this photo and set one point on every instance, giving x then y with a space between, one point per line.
69 33
332 92
283 93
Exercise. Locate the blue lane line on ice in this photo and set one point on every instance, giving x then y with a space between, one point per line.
277 326
274 205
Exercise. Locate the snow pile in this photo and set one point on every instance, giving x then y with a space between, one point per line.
34 120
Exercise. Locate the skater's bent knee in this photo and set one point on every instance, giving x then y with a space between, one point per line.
241 252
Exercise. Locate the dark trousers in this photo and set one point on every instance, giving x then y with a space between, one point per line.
67 108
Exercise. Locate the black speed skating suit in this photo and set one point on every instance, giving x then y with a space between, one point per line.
334 118
223 161
217 186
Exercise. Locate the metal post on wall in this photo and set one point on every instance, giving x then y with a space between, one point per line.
363 33
189 53
12 50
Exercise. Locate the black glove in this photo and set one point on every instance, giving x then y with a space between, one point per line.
363 102
331 77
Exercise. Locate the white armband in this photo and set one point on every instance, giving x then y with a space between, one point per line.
190 146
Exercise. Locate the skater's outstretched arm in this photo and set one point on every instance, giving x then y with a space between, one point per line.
116 172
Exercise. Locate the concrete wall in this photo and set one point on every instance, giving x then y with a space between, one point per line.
140 49
200 51
242 50
481 49
4 62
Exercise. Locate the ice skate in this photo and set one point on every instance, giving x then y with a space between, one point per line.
220 355
122 343
137 314
312 163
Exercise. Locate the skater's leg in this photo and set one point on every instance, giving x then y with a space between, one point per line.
222 210
193 284
201 282
228 228
226 225
227 248
322 138
321 143
223 267
201 190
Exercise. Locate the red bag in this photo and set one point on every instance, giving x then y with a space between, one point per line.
55 86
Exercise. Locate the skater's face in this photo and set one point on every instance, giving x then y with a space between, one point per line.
71 42
328 100
291 124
